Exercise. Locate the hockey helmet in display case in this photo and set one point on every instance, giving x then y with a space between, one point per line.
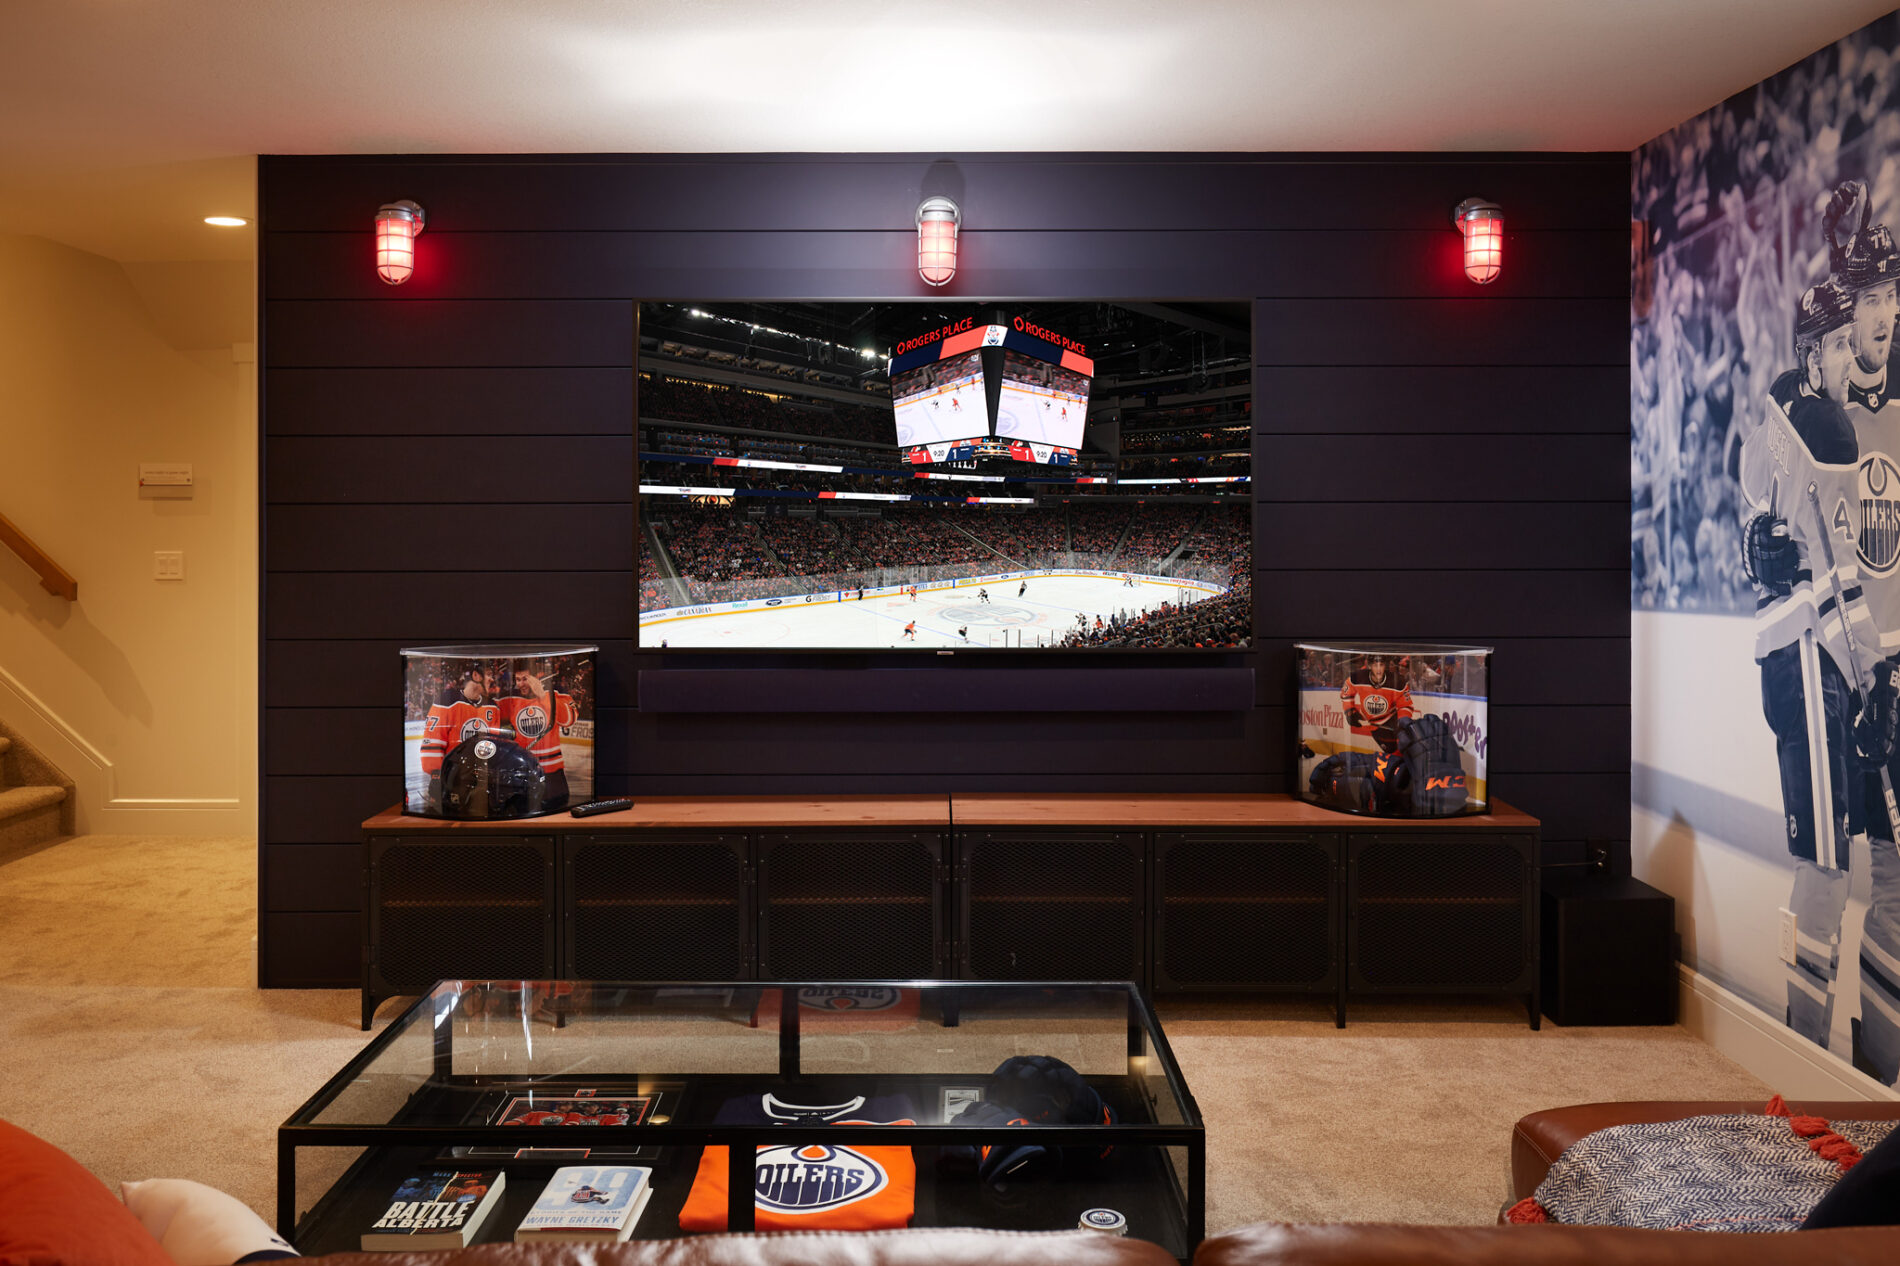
1393 729
497 732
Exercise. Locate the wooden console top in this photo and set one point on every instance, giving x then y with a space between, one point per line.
939 812
1194 810
705 812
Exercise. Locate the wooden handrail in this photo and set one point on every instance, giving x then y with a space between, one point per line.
53 577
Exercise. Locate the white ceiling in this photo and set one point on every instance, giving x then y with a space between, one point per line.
123 122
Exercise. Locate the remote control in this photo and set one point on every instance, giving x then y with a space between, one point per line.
592 807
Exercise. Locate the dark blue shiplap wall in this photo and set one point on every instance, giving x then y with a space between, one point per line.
453 459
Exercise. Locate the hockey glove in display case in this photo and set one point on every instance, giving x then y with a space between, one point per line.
1395 730
497 732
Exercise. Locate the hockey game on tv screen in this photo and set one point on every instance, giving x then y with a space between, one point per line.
945 476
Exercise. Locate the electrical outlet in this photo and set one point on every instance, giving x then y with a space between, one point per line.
1787 937
168 564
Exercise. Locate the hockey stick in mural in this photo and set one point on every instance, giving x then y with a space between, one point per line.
1847 634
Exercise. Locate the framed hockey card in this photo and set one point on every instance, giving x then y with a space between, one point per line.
579 1106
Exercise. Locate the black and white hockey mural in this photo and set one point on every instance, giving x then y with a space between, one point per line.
1765 542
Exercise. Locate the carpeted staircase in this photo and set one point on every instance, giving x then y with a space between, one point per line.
36 800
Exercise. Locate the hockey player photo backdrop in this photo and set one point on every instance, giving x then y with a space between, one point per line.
1394 730
497 731
1765 541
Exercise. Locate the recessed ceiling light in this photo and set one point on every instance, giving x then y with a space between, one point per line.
227 221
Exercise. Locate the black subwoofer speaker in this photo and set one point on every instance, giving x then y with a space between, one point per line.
1608 952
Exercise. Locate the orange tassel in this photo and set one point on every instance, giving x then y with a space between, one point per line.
1822 1139
1526 1211
1808 1127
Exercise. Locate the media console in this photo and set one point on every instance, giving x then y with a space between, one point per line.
1178 893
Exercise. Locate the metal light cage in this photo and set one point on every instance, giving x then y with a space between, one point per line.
937 221
1482 224
398 224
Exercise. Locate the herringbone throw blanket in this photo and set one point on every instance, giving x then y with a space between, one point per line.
1737 1172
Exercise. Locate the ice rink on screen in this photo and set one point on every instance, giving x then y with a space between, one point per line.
1045 613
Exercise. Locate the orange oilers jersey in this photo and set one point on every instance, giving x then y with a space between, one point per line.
1369 707
804 1184
448 724
536 721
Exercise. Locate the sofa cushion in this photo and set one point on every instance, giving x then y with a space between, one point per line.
1867 1194
916 1247
1369 1245
55 1212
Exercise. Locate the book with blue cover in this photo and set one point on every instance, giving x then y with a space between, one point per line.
588 1203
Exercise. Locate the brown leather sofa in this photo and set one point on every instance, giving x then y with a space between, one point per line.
1536 1142
803 1248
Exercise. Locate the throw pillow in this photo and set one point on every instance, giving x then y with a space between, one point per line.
199 1225
1867 1195
55 1212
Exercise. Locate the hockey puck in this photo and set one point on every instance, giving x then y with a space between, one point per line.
1106 1221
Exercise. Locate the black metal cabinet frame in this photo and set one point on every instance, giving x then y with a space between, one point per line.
1443 912
1076 902
484 902
1213 890
1350 913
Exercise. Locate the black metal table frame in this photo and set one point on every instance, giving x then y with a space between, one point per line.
301 1130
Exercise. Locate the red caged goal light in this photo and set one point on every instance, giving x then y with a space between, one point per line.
937 221
1482 223
398 224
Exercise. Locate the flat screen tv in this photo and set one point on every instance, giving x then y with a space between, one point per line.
934 477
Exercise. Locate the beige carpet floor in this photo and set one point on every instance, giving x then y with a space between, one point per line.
133 1036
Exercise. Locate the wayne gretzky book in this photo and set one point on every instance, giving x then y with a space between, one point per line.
588 1202
442 1208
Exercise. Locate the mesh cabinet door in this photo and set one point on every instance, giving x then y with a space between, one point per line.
1052 906
1244 911
1445 912
475 909
657 908
837 907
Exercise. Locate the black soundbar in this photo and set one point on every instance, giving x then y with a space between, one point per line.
963 690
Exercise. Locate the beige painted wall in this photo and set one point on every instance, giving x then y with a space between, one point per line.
143 691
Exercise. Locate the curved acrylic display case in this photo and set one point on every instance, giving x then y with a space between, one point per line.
1394 729
497 731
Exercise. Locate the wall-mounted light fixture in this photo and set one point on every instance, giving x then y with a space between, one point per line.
1482 223
937 221
398 224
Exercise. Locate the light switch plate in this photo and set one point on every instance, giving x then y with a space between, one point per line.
168 564
1787 937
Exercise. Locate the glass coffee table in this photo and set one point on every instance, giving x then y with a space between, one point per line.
495 1075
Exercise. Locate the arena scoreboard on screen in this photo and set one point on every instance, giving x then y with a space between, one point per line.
966 391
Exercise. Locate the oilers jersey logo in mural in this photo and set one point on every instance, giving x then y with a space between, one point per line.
1879 514
810 1177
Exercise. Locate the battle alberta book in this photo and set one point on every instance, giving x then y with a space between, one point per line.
443 1208
588 1202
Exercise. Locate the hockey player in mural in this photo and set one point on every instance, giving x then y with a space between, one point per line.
1823 549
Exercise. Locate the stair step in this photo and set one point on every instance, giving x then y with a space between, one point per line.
17 802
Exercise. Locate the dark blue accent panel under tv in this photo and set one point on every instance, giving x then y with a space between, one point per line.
1046 689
